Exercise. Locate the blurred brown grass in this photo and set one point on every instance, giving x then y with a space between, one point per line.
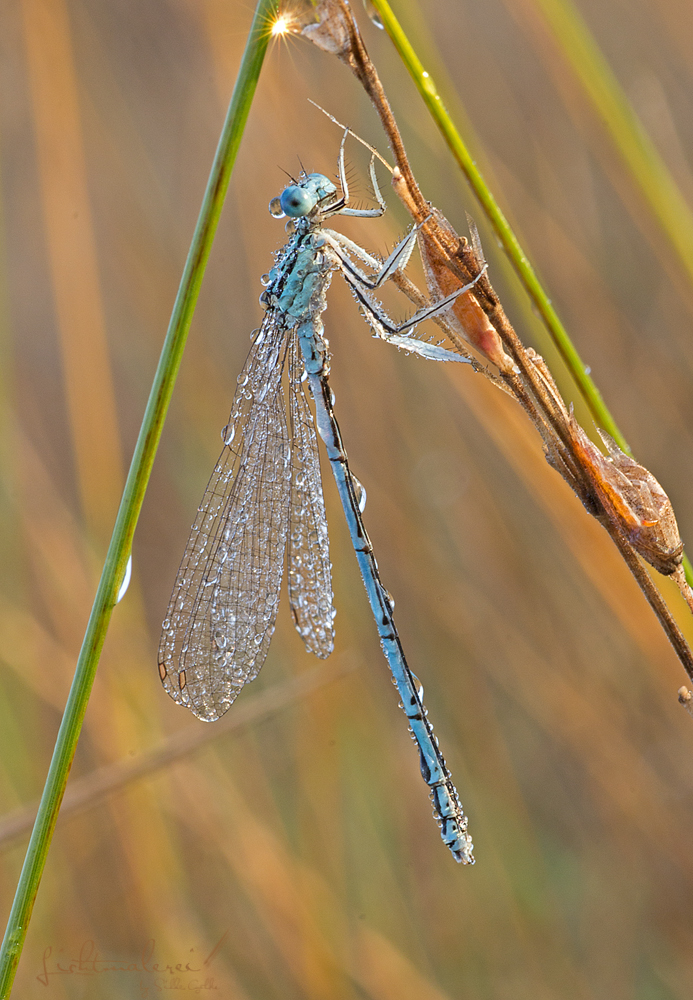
305 842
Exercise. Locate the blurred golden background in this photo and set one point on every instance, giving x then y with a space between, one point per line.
298 853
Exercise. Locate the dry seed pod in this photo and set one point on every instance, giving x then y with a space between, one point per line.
633 499
331 32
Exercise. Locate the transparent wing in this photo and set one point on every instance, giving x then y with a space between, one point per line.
310 576
223 608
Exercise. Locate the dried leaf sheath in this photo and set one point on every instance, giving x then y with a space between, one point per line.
466 316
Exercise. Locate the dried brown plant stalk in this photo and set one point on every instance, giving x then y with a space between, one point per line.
621 494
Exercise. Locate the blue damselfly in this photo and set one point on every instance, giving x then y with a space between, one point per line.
264 501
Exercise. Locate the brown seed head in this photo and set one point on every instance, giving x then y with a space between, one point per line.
633 499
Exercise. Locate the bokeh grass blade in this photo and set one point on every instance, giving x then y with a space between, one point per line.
133 494
639 154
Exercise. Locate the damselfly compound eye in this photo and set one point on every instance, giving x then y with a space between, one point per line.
295 201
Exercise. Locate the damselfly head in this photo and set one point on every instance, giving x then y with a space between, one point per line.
299 200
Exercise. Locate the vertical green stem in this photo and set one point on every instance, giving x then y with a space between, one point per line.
426 85
133 494
638 153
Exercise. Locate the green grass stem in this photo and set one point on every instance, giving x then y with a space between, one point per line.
133 494
640 155
520 261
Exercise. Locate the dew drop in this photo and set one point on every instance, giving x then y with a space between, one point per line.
126 580
419 687
275 209
359 493
373 14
